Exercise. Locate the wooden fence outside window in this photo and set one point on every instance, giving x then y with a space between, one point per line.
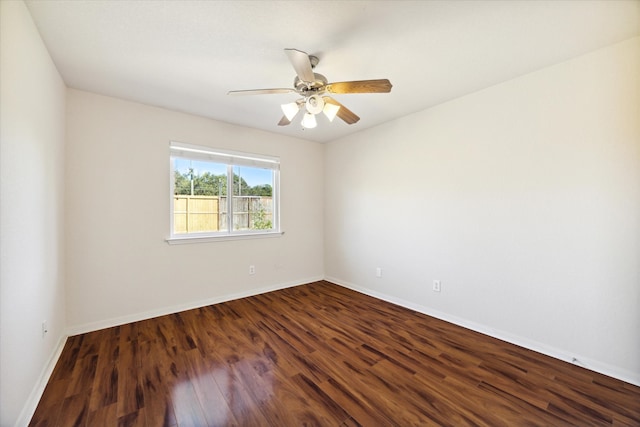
198 214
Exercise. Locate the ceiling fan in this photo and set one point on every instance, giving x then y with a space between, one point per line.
314 89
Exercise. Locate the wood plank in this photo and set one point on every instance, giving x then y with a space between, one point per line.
157 396
245 410
133 419
130 392
74 411
186 405
103 417
105 384
83 375
215 408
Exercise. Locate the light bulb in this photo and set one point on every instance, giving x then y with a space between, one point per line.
309 121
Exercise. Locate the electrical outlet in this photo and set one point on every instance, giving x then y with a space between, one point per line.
252 269
378 272
436 286
45 329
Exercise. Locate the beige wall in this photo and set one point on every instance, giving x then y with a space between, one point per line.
523 199
119 266
32 119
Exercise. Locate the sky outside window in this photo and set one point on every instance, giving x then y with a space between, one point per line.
252 176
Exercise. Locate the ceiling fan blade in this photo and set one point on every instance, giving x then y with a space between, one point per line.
301 63
284 121
260 91
361 86
348 116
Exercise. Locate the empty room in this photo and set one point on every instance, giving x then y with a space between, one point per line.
434 215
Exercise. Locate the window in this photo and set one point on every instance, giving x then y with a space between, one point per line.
219 193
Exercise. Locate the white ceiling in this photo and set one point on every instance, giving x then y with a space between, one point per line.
186 55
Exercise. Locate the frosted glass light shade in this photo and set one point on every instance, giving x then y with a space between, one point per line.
330 110
290 110
309 121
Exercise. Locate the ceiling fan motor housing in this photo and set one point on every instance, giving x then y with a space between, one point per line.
317 85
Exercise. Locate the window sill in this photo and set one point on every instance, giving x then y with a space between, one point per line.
222 238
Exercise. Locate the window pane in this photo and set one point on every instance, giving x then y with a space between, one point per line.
199 202
252 198
218 193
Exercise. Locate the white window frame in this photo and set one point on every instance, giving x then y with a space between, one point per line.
230 159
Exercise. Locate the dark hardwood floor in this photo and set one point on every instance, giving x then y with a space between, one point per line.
318 354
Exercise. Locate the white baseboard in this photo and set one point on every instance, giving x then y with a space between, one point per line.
31 404
593 365
136 317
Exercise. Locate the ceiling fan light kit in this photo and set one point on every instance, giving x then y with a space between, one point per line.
313 88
